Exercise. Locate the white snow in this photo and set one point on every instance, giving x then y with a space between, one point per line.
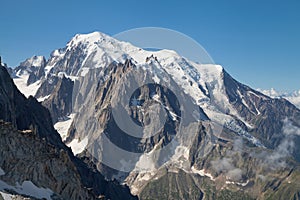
27 90
29 189
35 61
61 74
294 100
212 76
2 172
245 103
26 131
56 53
6 196
173 115
103 49
202 173
48 69
78 146
73 78
156 79
209 76
238 183
252 93
62 127
41 99
174 65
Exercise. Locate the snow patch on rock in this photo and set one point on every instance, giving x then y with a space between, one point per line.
27 90
62 127
78 146
29 189
202 172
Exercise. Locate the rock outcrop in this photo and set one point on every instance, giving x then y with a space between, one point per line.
25 157
59 103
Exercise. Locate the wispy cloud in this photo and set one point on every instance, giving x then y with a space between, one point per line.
285 149
226 165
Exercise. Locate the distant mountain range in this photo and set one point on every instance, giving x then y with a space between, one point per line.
293 97
165 126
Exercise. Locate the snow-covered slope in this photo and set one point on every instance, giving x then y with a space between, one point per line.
62 127
97 50
27 90
27 188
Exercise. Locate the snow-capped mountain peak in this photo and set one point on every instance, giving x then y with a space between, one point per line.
83 84
204 83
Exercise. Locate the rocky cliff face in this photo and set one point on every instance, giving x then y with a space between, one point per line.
59 102
25 157
37 154
25 113
266 115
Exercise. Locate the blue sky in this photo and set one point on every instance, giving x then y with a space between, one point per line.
257 42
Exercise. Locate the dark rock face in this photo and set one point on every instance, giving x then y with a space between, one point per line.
10 71
266 114
24 113
145 103
52 167
59 103
28 114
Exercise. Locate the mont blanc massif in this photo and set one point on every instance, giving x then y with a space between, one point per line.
103 119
